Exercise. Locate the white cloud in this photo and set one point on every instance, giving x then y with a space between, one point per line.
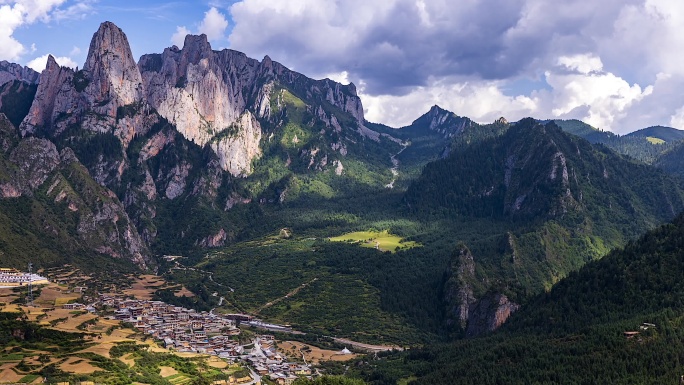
39 63
341 77
178 38
583 63
213 25
482 101
74 51
677 120
78 11
603 98
11 17
14 14
614 63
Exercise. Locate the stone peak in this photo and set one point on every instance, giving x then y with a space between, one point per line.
196 42
195 48
435 109
108 39
51 62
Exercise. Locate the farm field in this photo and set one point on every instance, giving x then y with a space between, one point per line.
381 240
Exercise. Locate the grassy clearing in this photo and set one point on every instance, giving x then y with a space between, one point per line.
381 240
653 140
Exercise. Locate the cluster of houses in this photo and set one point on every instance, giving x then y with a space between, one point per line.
187 330
182 329
266 361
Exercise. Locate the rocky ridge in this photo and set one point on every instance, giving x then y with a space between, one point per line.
215 98
12 71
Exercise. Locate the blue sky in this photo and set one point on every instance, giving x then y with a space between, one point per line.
149 26
615 64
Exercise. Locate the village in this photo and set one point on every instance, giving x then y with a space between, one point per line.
178 329
186 330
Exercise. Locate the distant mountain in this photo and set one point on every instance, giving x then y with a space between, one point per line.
639 145
556 200
666 134
434 135
12 71
586 131
444 122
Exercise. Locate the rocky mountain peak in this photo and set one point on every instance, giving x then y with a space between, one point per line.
195 48
443 121
112 70
437 110
51 64
501 120
267 63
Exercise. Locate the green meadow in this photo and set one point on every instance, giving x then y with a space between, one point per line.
381 240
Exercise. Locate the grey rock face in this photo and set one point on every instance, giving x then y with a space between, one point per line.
458 291
12 71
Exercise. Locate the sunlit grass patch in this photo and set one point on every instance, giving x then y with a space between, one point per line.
381 240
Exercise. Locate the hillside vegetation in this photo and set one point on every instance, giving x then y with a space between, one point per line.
579 323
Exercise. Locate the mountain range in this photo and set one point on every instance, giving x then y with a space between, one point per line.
213 156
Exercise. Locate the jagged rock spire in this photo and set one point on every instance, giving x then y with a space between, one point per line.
111 67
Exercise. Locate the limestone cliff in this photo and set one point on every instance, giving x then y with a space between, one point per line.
184 125
217 97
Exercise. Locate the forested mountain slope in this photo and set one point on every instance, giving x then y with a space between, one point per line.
556 200
646 145
580 323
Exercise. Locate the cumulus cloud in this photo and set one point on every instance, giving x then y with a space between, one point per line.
482 101
213 25
179 37
14 14
599 97
39 63
614 63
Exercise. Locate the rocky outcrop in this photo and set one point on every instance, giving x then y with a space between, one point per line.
489 313
236 149
12 71
215 98
106 96
216 240
458 289
35 159
56 102
114 77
